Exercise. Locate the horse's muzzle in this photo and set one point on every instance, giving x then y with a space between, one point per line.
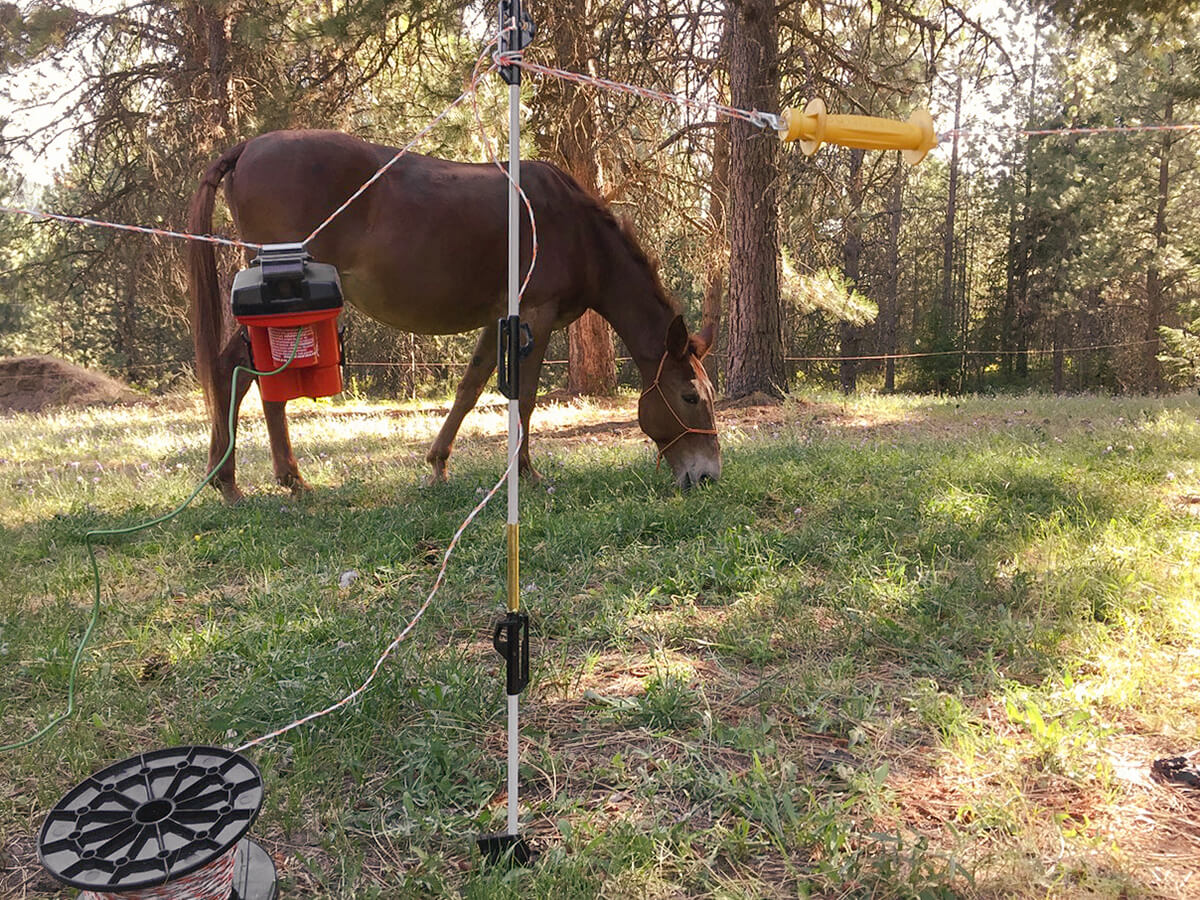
696 464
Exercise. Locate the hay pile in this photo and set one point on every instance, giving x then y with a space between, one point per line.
36 383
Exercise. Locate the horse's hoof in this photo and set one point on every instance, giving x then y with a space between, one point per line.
231 494
438 475
294 483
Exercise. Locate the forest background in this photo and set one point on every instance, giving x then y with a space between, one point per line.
1067 262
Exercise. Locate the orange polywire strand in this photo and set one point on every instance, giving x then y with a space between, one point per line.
212 882
140 229
753 116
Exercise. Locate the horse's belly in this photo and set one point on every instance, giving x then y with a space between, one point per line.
396 306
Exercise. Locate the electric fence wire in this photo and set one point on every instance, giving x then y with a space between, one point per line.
412 623
773 121
871 357
212 882
477 75
382 170
470 91
1066 130
755 117
139 229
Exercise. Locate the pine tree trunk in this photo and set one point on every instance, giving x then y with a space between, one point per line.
948 234
1154 285
755 337
890 312
1009 309
591 359
1058 353
1024 313
718 256
850 333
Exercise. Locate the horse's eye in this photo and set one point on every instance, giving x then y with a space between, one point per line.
692 398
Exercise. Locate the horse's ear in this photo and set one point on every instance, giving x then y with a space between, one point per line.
703 342
677 338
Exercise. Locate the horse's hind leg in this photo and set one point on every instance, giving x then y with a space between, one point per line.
479 370
287 471
531 370
234 354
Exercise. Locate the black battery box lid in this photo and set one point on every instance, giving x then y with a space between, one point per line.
284 279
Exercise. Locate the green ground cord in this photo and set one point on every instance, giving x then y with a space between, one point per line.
132 529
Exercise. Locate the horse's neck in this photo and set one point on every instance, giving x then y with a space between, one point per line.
628 301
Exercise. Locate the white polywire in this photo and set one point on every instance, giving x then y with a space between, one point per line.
213 881
514 425
139 229
379 173
403 633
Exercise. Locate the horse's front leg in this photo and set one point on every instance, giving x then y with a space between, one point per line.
287 470
235 353
479 370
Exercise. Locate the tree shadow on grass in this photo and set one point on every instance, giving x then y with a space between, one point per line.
814 568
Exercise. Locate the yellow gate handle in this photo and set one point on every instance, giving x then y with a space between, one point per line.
815 126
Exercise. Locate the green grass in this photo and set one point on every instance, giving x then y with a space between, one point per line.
906 647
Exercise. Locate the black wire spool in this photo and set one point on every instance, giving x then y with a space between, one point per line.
159 819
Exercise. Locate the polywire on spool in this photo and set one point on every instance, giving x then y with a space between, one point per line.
213 882
163 825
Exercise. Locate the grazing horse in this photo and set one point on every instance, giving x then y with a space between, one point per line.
424 250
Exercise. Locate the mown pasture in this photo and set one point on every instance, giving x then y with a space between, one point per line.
906 647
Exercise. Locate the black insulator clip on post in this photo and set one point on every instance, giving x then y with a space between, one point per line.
514 41
513 344
511 640
510 637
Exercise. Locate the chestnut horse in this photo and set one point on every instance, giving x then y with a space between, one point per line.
424 250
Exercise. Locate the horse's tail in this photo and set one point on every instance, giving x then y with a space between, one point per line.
207 311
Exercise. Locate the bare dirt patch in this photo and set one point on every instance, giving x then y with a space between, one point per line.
37 383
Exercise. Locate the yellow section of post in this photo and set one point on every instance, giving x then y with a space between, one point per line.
514 556
815 126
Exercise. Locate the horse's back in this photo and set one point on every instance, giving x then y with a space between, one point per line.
287 182
424 249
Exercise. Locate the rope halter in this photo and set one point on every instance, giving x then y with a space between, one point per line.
687 429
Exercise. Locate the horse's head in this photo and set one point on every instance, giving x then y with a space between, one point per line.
676 409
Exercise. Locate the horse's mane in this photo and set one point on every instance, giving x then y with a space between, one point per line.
643 257
623 229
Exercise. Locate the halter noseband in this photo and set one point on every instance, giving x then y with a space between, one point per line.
687 429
